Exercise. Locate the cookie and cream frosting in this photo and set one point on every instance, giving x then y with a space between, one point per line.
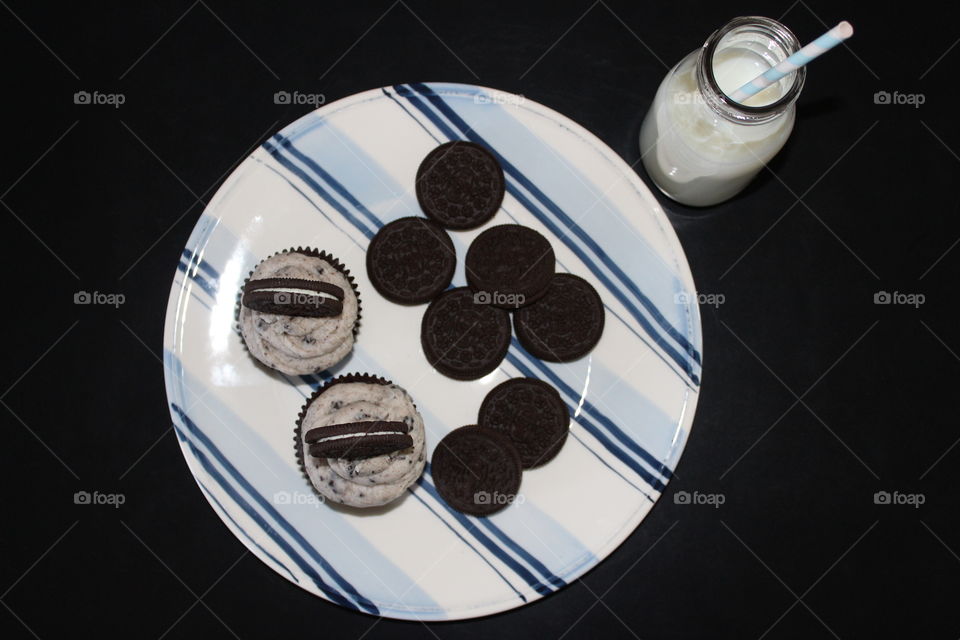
298 344
364 482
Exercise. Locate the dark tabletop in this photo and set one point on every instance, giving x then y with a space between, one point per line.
814 398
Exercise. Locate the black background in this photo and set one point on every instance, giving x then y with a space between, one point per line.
102 198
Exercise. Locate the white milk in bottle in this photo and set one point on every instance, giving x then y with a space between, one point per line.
699 146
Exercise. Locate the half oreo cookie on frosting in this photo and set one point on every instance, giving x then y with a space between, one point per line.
357 440
293 297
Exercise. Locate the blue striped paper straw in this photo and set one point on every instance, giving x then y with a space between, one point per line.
816 48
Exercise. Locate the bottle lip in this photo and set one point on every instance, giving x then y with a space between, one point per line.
721 102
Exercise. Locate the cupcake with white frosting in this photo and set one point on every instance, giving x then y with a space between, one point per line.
360 441
299 311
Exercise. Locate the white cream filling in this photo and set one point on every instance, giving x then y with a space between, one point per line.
302 292
358 435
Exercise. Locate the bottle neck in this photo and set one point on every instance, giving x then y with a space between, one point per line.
763 38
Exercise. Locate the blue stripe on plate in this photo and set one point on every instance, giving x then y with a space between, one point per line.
305 196
313 184
599 416
657 465
331 593
482 538
466 542
329 179
609 466
584 422
361 601
194 260
202 282
407 111
193 294
529 558
572 226
226 514
642 336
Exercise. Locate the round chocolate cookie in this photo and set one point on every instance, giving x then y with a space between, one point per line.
510 265
532 414
464 339
477 471
563 325
411 260
460 185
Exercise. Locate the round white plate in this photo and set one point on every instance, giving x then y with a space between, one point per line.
329 181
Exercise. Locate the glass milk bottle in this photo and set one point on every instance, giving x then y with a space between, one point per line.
699 146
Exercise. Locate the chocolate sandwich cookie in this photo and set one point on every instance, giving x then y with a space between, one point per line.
531 413
563 325
460 185
357 440
477 471
411 260
510 265
462 338
293 297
